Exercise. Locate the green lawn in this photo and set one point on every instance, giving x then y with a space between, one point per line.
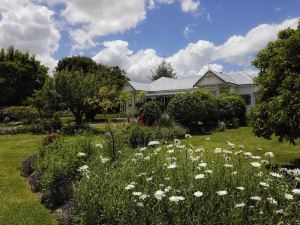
18 205
284 152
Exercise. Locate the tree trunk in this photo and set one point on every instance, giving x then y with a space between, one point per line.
78 118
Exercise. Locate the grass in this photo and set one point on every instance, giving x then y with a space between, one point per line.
284 152
18 205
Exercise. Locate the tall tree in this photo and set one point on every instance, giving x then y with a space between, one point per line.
20 75
77 63
164 69
74 89
278 101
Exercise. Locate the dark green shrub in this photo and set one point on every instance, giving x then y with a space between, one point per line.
140 135
53 124
176 131
194 109
151 112
20 112
232 106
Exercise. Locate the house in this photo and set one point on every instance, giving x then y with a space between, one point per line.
216 83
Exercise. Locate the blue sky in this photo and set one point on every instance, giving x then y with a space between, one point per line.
137 34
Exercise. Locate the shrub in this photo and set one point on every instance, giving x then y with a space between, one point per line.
232 106
151 112
20 112
193 109
58 166
140 135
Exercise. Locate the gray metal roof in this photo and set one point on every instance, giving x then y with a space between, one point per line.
168 84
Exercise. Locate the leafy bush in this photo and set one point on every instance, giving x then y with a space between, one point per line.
232 107
180 185
151 112
20 112
58 166
192 109
140 135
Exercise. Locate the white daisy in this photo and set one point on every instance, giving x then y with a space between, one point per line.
240 188
198 194
159 194
152 143
188 136
264 184
176 198
221 193
135 193
269 154
277 175
241 205
288 196
199 176
99 145
272 201
255 198
129 187
140 204
172 166
202 164
81 154
218 150
296 191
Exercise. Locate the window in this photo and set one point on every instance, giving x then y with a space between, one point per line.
247 99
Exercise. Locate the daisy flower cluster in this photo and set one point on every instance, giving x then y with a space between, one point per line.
164 183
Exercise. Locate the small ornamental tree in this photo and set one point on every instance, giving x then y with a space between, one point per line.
278 101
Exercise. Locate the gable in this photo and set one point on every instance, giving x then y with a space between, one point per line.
128 87
209 79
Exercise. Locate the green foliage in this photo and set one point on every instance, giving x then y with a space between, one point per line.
140 135
47 100
232 109
77 63
20 75
151 112
74 90
278 100
19 112
124 192
192 109
59 163
164 69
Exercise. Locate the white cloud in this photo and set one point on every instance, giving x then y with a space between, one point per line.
186 5
93 19
208 18
29 27
187 31
189 5
237 49
194 59
137 65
